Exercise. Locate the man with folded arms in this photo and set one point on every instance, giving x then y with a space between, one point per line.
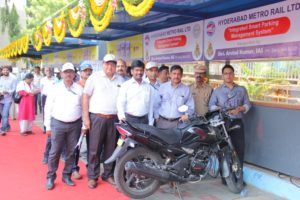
63 121
99 116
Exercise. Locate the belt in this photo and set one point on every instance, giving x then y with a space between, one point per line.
73 122
137 117
169 119
105 116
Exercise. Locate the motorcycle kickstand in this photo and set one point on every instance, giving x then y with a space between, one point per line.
177 188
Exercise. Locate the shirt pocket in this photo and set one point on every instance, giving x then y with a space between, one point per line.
180 99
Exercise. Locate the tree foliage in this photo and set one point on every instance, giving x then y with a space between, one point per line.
39 10
10 21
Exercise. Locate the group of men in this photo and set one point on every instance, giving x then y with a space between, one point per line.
92 107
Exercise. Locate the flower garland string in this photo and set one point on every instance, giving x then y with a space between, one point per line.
59 28
47 33
76 20
138 10
101 22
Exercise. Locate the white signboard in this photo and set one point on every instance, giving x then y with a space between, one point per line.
177 44
267 32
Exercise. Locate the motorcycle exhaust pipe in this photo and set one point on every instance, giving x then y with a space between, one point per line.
140 169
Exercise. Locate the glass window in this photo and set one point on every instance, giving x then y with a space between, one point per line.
275 82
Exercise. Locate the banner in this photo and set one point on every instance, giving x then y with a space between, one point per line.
74 56
266 32
177 44
128 49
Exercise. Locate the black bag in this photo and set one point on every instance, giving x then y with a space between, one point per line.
17 97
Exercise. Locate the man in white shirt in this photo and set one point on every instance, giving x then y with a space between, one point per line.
99 116
152 74
134 102
63 112
46 84
37 87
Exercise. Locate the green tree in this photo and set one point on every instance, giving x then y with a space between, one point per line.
38 11
10 21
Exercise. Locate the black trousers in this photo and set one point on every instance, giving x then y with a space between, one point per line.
139 120
102 136
238 138
63 135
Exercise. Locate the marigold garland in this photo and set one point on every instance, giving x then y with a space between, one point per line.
19 44
76 20
96 9
138 10
47 33
106 15
25 44
59 28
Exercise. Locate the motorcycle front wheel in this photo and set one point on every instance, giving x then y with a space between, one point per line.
133 185
235 179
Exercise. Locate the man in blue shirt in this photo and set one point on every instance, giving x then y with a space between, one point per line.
231 95
174 94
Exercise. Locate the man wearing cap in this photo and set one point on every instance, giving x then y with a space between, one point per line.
152 74
174 94
86 70
99 115
134 102
201 91
63 112
122 69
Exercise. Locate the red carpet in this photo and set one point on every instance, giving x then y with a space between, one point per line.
23 176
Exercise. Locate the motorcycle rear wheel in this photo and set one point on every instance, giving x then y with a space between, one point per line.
123 180
235 179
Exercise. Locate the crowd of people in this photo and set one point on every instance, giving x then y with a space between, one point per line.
92 102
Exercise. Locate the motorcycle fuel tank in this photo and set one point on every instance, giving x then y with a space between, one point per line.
198 134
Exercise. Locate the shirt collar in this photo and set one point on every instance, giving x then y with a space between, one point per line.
178 86
134 81
104 75
225 86
148 81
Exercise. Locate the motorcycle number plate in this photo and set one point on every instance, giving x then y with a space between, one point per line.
120 142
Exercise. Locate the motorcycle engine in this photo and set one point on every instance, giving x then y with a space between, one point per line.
199 162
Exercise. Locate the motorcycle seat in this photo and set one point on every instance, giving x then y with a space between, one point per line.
170 136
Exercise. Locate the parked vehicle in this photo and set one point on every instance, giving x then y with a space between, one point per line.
147 157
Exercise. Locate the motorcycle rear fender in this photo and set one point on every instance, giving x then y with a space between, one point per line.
121 150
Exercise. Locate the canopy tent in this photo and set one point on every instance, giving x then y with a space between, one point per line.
162 14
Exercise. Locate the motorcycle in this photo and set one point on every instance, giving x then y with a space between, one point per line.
147 157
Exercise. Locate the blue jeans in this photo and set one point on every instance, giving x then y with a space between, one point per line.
38 103
4 109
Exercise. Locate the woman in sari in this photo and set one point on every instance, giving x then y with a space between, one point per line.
26 105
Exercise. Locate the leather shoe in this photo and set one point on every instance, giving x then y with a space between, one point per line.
110 180
68 181
50 184
76 175
92 184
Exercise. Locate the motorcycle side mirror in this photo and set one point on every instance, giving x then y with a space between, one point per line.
183 108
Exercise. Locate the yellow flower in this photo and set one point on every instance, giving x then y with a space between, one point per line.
101 25
139 10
